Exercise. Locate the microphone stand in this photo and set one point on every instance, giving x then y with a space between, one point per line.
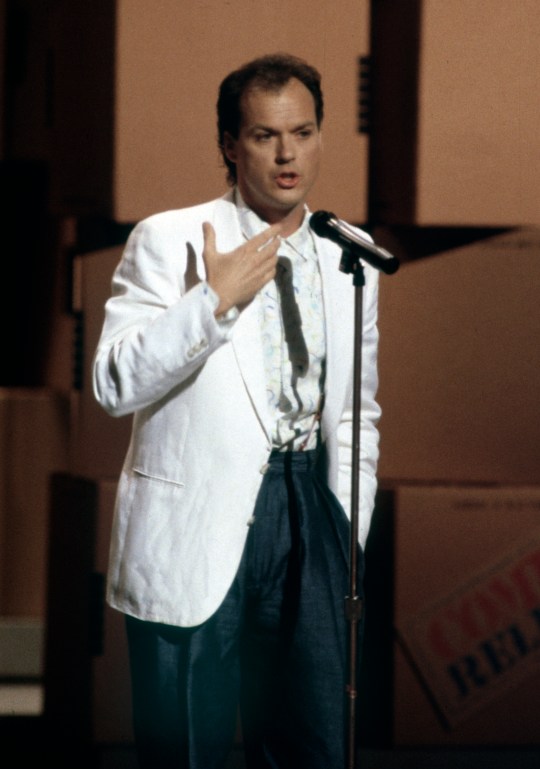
350 263
327 225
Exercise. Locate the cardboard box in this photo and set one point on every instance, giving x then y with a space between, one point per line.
459 364
466 615
137 88
456 108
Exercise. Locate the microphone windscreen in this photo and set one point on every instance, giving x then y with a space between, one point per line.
319 222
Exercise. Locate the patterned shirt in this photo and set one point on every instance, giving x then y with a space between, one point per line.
292 326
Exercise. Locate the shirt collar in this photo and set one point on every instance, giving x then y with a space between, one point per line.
301 241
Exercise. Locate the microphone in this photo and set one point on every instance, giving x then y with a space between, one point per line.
327 225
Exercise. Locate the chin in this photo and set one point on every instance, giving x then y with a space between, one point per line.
291 198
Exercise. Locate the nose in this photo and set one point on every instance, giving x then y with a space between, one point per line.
285 150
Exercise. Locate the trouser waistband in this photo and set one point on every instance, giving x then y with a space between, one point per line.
300 460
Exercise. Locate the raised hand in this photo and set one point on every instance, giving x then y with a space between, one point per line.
238 275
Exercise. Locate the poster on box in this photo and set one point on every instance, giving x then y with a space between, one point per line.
482 639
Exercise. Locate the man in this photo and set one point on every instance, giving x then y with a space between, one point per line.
229 326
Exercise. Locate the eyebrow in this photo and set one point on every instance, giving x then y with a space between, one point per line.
269 129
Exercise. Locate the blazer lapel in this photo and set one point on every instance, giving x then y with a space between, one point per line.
245 337
247 345
338 297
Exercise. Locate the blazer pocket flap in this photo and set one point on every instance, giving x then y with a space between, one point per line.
156 477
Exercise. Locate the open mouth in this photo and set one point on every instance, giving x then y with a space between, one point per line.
287 180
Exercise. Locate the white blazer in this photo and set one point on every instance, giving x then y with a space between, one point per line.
201 427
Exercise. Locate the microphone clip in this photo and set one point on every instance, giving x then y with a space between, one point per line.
350 264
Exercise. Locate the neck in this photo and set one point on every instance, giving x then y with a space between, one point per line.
289 221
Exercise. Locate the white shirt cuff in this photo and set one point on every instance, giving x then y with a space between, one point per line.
226 319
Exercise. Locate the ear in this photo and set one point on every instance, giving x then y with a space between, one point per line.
229 147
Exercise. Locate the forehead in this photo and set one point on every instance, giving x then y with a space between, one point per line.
289 104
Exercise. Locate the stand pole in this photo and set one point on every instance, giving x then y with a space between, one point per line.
353 603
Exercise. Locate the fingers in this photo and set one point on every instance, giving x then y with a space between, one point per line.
238 275
268 236
209 235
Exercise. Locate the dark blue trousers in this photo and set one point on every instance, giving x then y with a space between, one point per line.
276 647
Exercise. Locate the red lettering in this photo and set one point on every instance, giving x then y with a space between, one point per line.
438 640
450 632
483 611
464 616
526 575
489 610
506 595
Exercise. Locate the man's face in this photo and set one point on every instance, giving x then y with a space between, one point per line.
277 152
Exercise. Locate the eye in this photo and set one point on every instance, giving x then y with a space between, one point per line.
305 133
263 137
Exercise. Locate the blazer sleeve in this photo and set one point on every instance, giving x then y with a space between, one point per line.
158 329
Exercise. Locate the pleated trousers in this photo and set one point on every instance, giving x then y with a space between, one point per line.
276 647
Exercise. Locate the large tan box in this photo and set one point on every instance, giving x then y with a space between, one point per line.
456 107
174 61
134 85
459 363
466 615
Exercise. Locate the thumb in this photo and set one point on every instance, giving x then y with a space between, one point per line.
209 235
